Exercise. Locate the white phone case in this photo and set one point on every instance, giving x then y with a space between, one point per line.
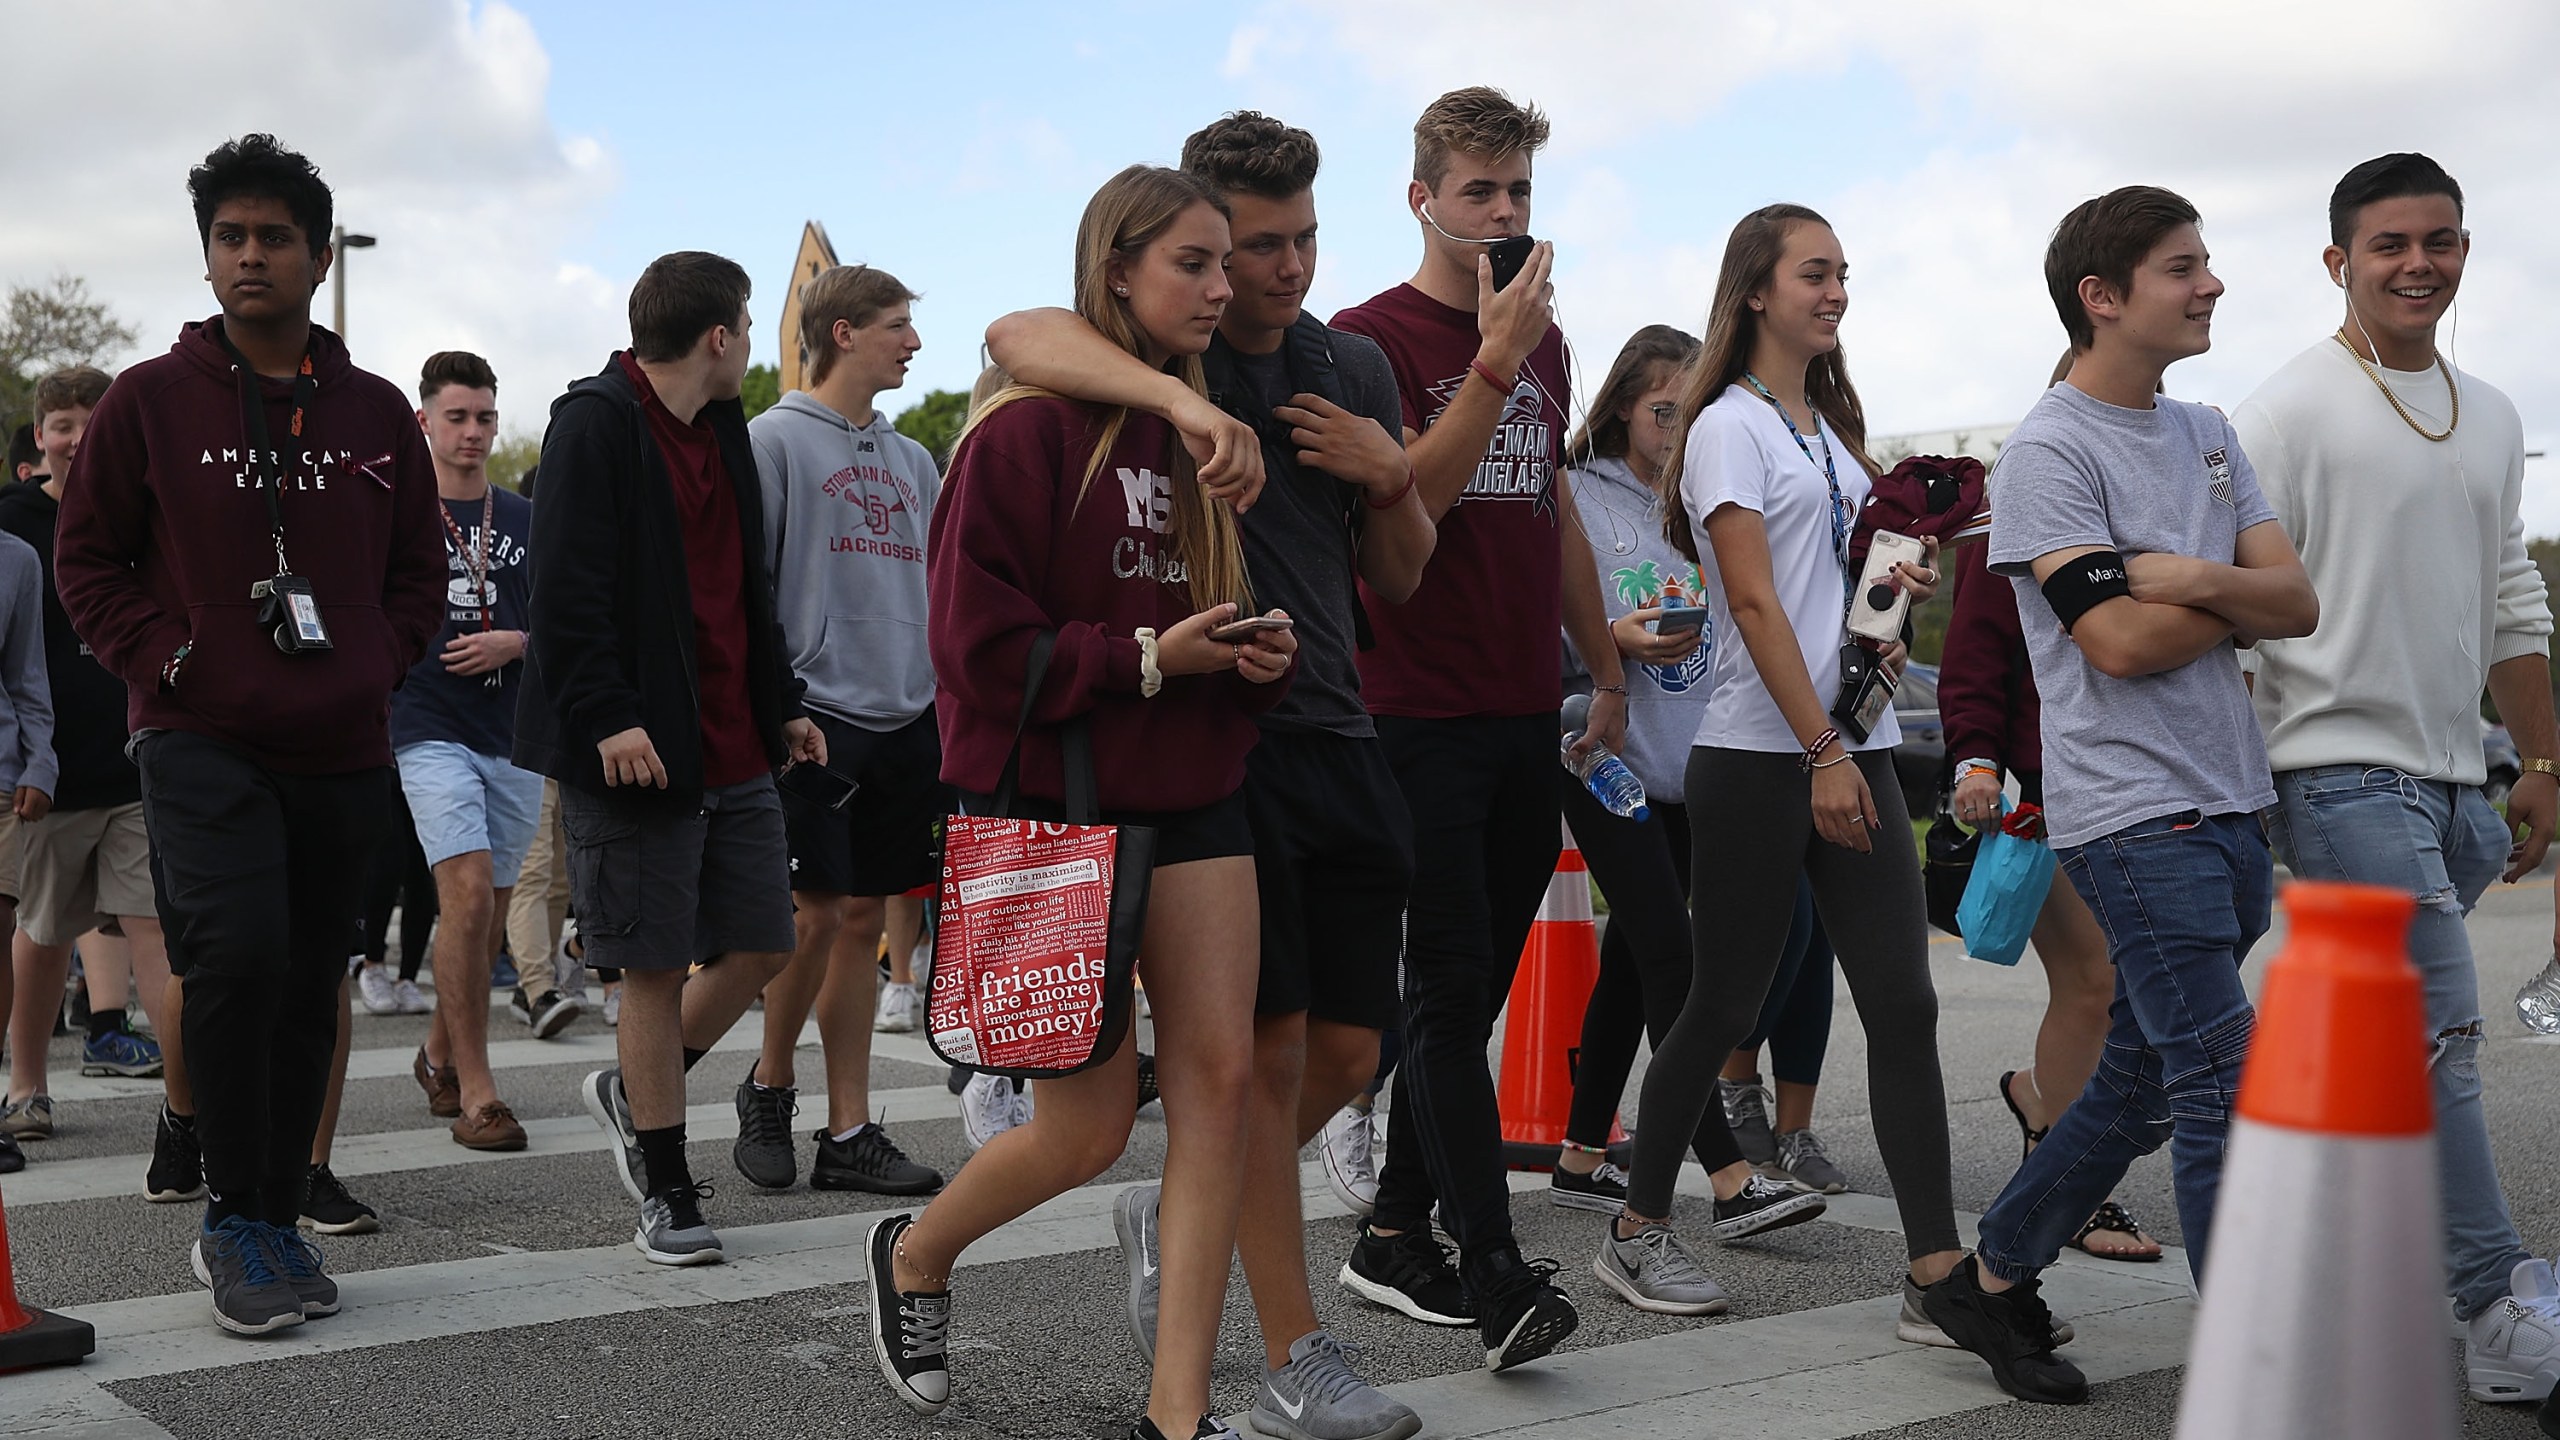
1883 623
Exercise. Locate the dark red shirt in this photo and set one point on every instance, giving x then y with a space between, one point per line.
1986 692
715 571
1482 635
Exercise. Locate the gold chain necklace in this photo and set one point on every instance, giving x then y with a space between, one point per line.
2452 390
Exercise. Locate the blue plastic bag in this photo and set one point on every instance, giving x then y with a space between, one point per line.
2011 873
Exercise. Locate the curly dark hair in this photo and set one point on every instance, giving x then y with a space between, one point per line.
256 167
1249 153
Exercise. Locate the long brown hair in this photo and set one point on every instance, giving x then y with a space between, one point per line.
1637 369
1751 256
1122 219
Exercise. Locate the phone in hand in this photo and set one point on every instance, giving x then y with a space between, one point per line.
819 785
1238 631
1509 254
1681 620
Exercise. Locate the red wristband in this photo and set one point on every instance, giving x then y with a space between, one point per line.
1485 373
1397 498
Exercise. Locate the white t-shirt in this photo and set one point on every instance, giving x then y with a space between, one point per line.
1739 453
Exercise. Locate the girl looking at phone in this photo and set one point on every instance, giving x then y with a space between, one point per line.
1771 473
1087 521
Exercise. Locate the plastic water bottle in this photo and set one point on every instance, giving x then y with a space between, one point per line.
2538 1003
1599 769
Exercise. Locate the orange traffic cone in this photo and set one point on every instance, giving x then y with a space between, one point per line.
2333 1329
35 1337
1542 1037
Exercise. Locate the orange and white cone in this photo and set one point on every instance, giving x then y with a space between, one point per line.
1542 1032
2323 1311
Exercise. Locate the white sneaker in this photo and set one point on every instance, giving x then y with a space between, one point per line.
568 971
377 990
897 1009
989 1107
1349 1144
2513 1349
412 1000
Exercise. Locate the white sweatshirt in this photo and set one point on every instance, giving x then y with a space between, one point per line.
2416 548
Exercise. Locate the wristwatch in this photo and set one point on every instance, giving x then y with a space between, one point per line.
2541 767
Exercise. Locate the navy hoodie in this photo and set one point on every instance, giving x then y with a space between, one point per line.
164 530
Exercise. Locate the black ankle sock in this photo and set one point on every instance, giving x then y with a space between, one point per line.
662 1156
103 1023
693 1057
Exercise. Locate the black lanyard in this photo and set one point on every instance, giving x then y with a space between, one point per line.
263 461
1840 517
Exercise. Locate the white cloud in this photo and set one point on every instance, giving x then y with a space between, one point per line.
429 121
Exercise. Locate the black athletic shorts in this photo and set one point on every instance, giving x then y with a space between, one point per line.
1212 832
1333 857
882 841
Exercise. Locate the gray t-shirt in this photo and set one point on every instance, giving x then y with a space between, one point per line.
1299 538
2169 481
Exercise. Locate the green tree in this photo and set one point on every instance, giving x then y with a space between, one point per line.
761 390
934 422
45 328
512 458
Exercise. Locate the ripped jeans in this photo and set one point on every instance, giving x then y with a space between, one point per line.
2181 899
2442 843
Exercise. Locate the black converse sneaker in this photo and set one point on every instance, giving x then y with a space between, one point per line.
1603 1190
909 1328
1764 1204
1408 1273
2012 1331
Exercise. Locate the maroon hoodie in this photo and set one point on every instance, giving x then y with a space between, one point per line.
1986 693
164 530
1012 553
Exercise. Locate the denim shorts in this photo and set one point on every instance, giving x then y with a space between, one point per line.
463 801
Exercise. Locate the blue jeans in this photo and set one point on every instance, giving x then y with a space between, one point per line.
2443 844
2181 900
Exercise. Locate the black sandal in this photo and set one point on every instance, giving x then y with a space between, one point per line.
2033 1135
2112 1216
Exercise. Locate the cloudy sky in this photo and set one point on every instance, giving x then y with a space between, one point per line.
520 163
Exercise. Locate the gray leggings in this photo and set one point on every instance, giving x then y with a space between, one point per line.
1751 816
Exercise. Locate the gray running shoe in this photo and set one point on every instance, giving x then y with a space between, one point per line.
1801 1156
1134 1216
1914 1326
1746 1114
1654 1271
672 1230
1317 1396
250 1293
602 1090
304 1269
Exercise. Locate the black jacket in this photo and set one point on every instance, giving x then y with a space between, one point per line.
612 607
88 700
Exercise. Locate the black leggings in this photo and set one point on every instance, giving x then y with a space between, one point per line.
1746 860
399 876
1643 871
1795 1021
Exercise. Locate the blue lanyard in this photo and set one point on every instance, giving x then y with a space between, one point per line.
1840 516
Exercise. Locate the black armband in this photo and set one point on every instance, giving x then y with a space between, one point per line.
2084 583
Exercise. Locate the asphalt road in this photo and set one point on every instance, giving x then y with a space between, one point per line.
502 1297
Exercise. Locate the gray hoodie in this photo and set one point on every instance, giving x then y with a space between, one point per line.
26 699
1623 518
845 517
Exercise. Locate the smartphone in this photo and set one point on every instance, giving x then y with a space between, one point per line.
1681 620
819 785
1509 254
1877 611
1250 626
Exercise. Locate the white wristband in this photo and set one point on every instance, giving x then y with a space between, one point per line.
1150 679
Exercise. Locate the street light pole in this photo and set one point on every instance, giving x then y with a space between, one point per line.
340 242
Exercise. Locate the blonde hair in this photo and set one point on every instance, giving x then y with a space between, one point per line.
855 294
1751 256
1479 121
1122 219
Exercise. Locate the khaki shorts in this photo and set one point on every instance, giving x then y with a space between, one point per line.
82 869
9 852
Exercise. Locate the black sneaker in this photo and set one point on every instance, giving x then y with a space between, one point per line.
1409 1274
329 1209
304 1269
1148 1093
1209 1428
13 1159
763 1152
869 1161
546 1014
177 1161
1762 1205
2012 1332
1603 1190
909 1329
1525 1315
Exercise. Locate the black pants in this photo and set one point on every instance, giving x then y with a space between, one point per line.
399 876
258 876
1643 870
1486 833
1747 857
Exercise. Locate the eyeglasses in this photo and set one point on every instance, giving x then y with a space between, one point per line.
1664 414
